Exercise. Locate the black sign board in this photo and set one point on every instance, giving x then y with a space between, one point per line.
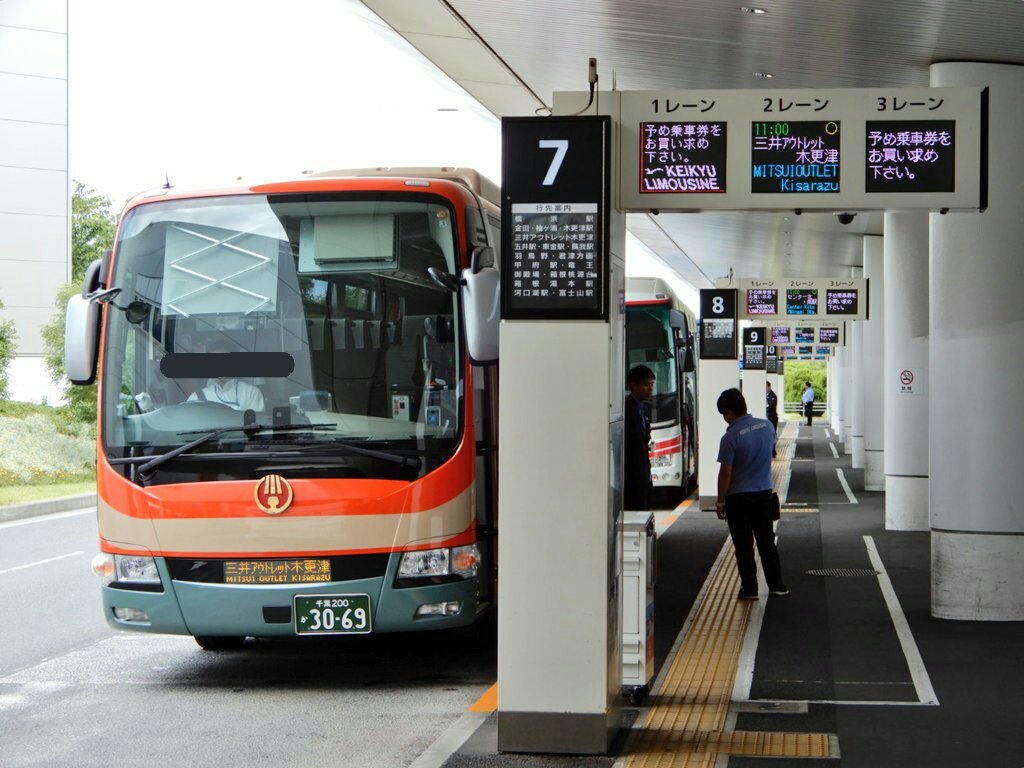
771 359
762 301
780 334
682 157
841 301
827 335
801 301
718 324
796 156
753 349
910 156
554 224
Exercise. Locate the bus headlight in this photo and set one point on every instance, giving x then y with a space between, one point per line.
136 569
103 566
426 562
458 561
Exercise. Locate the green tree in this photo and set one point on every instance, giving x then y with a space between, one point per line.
8 344
92 228
799 371
92 232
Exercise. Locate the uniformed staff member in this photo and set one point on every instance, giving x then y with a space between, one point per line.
636 477
745 496
771 409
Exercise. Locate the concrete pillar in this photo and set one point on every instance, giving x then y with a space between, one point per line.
753 392
976 369
847 402
874 366
832 374
856 447
840 386
906 355
715 377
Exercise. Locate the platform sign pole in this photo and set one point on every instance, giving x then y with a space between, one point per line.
719 370
560 410
755 364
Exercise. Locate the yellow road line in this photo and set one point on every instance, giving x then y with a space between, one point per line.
488 701
686 721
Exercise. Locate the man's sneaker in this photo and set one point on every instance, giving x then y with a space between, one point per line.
782 589
745 594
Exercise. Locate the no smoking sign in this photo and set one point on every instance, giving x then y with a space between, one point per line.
907 384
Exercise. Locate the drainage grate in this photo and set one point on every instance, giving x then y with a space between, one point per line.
843 572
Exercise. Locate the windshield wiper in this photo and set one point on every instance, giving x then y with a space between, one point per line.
145 470
414 462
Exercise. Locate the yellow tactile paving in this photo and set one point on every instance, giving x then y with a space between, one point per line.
684 726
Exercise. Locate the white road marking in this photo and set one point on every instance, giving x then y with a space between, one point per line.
39 562
828 435
918 673
834 451
846 486
448 743
48 518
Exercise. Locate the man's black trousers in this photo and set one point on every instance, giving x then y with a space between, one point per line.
750 519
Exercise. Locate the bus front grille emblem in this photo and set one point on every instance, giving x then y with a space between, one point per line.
273 494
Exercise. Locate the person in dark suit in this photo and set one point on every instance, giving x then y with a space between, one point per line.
771 410
637 460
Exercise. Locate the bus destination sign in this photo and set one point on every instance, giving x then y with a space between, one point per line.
796 156
762 301
682 157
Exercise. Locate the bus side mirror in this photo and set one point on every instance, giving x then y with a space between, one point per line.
481 306
81 340
688 363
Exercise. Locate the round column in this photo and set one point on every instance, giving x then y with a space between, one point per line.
977 366
874 366
906 358
847 404
857 395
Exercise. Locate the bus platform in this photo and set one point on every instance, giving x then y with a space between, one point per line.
849 670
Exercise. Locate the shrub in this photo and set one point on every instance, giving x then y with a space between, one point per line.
8 345
33 451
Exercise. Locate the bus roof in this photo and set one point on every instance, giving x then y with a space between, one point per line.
650 290
472 180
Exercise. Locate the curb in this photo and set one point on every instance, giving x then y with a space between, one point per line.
46 507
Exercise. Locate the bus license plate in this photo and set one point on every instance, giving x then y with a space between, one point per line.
332 615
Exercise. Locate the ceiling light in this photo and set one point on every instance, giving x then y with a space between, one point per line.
750 9
764 75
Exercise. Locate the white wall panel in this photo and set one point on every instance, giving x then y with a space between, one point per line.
33 145
29 52
49 15
28 321
25 190
33 99
32 238
38 291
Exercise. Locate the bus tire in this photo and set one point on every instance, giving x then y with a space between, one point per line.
219 643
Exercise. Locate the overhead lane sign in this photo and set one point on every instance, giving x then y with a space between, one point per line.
830 149
801 299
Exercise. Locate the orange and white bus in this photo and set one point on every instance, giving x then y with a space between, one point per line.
660 333
297 423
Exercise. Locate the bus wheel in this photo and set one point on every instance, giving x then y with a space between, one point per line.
217 643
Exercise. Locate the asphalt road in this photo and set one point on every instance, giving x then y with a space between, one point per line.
74 692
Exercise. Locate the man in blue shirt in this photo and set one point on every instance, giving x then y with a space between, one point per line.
745 496
808 400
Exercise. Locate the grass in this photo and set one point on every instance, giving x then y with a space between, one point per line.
20 494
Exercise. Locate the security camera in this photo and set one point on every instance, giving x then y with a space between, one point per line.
845 218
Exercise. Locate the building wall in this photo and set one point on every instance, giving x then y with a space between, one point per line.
34 185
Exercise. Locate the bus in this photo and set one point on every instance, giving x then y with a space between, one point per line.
660 334
297 415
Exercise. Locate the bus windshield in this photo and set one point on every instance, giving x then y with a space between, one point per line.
283 311
649 341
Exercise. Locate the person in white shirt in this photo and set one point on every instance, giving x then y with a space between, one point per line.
229 391
808 401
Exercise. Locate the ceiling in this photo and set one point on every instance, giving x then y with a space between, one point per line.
513 55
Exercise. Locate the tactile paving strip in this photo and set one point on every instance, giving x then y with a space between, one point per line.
684 726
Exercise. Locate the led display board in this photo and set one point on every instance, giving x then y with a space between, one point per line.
683 158
780 334
803 334
838 149
718 324
555 204
787 351
828 335
789 157
801 301
910 156
823 350
841 301
762 301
